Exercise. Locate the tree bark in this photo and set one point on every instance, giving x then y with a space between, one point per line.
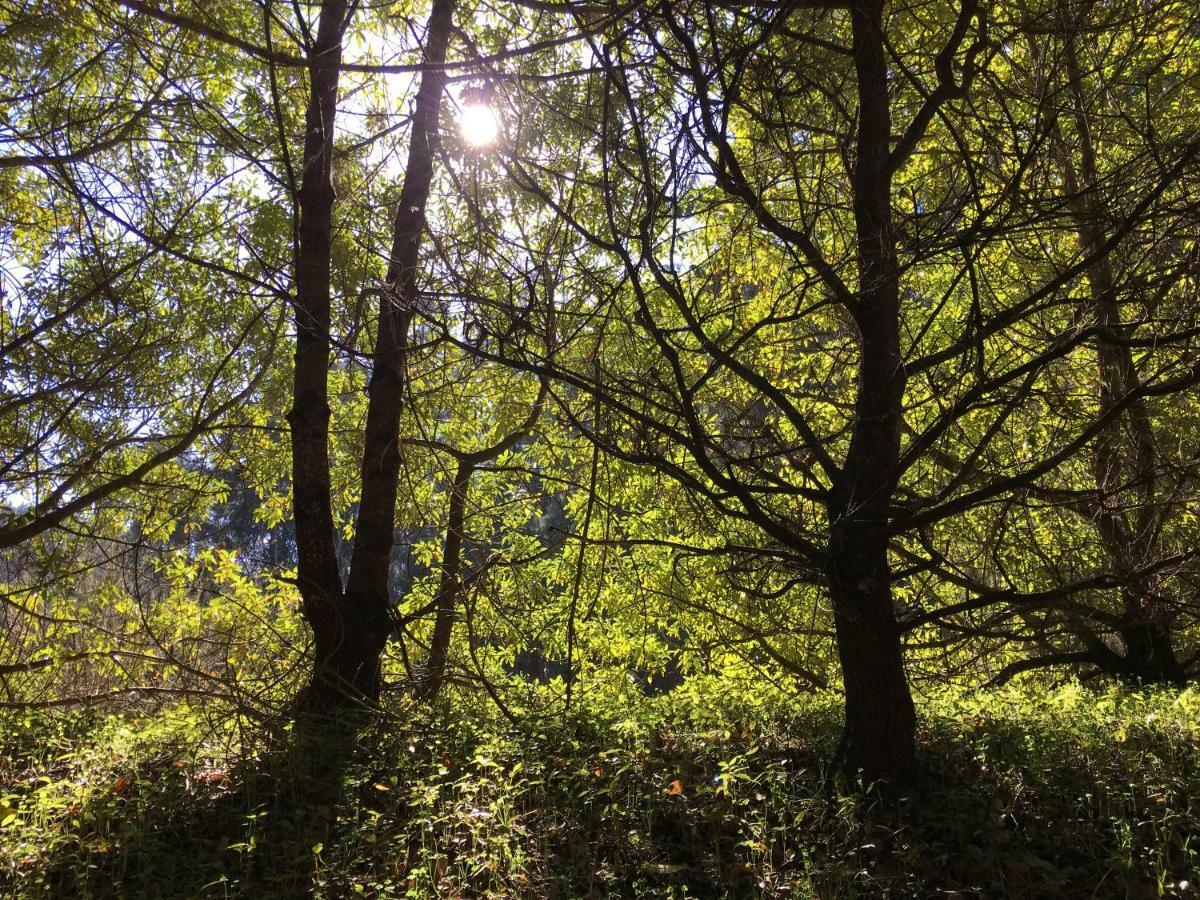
879 737
367 595
319 580
449 583
351 625
880 724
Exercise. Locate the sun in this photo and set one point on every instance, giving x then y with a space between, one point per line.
478 124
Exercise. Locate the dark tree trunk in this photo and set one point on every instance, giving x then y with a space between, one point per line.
319 580
449 584
346 672
880 718
367 596
1149 650
880 722
1126 454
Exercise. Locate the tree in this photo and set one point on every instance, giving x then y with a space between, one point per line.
1136 481
350 626
852 341
898 366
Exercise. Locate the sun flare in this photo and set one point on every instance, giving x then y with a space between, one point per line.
478 124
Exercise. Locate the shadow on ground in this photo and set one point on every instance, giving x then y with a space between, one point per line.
1012 806
186 833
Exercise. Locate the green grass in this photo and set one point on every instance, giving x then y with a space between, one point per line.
1029 792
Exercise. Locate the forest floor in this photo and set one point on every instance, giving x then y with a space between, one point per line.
1030 792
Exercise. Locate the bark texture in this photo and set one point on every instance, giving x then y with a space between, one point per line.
319 580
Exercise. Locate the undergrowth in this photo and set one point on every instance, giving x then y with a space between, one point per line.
701 793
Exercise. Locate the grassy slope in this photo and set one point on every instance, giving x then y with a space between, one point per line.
1029 793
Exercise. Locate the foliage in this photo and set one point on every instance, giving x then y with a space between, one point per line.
1032 792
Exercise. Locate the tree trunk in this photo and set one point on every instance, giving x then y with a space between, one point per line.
448 585
880 722
367 597
351 626
319 580
880 719
1126 454
1149 649
346 671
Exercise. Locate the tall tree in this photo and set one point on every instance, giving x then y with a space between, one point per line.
884 394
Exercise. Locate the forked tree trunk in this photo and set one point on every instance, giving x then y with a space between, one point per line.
351 625
346 670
